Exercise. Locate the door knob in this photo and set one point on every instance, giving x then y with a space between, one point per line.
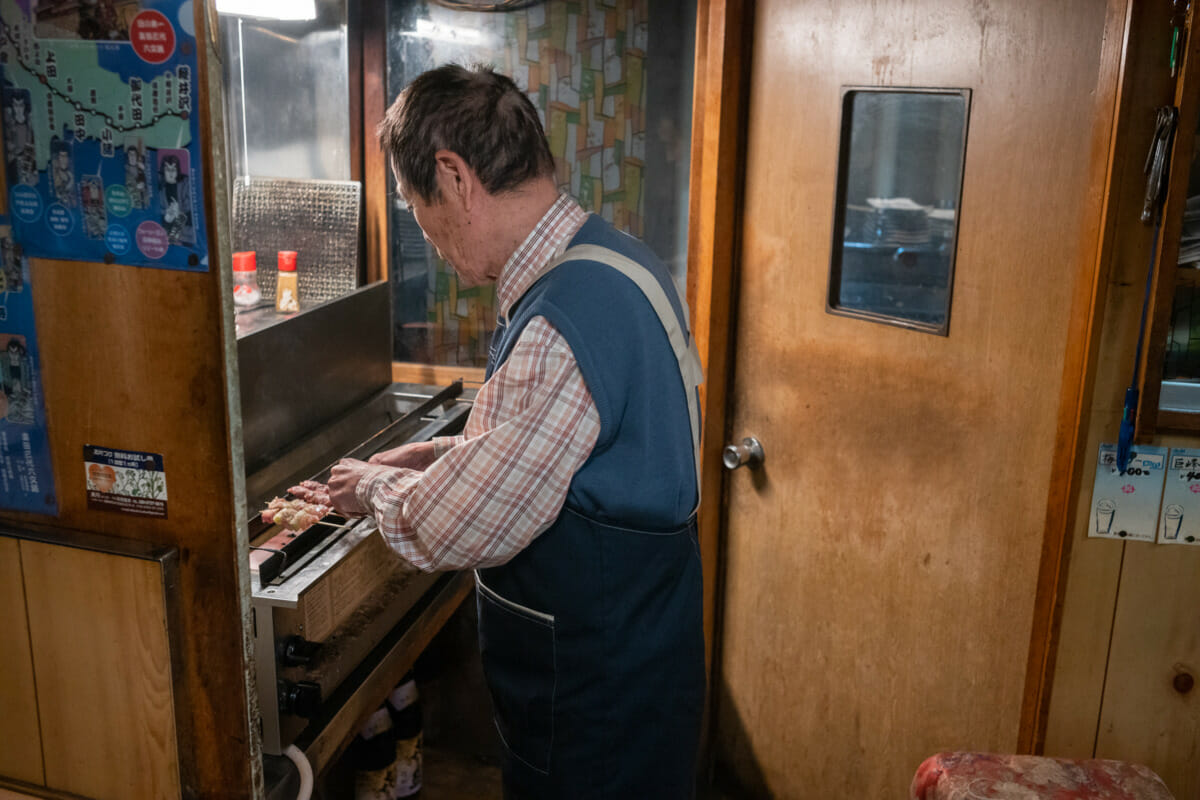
749 453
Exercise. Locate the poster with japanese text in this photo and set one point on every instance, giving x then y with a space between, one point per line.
26 477
101 138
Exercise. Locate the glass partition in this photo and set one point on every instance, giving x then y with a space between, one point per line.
1181 357
896 216
612 81
288 127
287 80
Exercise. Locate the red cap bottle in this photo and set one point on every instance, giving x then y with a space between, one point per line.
245 279
287 290
244 261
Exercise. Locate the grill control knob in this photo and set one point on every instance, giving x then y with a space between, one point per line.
301 699
296 651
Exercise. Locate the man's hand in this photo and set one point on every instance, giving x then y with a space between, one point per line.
343 481
418 455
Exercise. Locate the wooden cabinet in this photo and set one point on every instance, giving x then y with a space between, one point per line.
1169 372
88 704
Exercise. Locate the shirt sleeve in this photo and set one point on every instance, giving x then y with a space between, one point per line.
444 444
532 426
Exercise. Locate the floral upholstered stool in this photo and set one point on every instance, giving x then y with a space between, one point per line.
984 776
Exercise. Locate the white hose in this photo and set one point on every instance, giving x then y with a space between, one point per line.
305 770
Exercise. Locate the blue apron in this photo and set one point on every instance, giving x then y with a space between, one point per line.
592 637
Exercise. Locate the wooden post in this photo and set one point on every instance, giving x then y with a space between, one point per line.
142 359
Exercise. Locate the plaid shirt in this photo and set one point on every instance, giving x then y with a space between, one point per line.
492 490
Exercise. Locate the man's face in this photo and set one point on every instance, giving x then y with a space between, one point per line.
444 225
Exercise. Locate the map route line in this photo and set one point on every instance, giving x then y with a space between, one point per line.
77 105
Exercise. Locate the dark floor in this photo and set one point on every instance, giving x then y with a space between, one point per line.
450 776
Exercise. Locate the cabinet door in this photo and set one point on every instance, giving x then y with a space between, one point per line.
101 655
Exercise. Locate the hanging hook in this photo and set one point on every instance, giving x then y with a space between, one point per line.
1157 159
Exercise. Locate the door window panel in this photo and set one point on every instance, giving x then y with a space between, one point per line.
896 215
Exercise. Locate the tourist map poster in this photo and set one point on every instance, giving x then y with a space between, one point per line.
100 131
26 477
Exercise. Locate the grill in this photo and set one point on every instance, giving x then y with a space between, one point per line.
333 602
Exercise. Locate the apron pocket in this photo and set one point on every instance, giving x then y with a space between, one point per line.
517 647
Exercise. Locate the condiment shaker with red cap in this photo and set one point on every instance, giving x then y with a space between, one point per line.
245 280
287 294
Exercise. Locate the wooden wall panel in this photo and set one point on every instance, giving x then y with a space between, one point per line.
1129 620
102 661
21 752
1087 593
376 172
1086 315
142 359
1155 638
718 115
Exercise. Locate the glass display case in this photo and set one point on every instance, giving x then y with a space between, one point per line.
1168 380
612 82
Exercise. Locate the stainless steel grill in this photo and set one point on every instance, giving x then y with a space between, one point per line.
331 604
325 598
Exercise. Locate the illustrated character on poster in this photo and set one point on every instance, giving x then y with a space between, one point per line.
135 174
62 172
18 137
175 197
95 218
18 385
98 20
7 256
13 265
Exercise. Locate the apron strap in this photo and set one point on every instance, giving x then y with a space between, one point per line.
684 346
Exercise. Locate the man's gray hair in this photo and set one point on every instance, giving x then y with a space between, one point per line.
475 112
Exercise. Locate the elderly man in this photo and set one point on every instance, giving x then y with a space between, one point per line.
572 492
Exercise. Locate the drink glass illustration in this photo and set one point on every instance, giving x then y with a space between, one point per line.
1172 517
1105 510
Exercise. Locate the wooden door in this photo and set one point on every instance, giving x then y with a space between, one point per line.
881 568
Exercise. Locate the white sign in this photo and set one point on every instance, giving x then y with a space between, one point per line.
1179 522
1125 505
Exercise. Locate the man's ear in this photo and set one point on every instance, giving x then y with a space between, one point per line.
457 181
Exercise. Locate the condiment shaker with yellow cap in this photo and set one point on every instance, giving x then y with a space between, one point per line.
287 294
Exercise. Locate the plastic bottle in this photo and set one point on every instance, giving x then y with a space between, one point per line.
287 292
405 706
245 280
